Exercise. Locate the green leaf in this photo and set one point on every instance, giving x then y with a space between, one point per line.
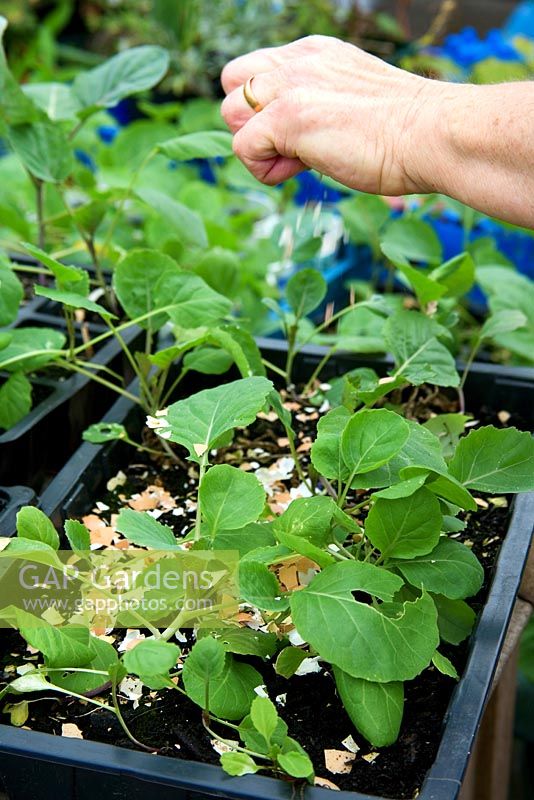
371 438
457 275
403 489
359 638
256 742
455 619
309 517
422 449
68 278
134 281
326 450
198 421
11 292
44 150
208 361
73 300
104 658
419 356
509 290
412 239
504 321
259 586
230 498
24 342
151 658
426 289
376 709
264 717
142 529
450 569
18 712
131 71
494 460
364 216
33 524
206 660
203 144
55 99
237 764
15 107
443 485
102 432
15 400
58 645
230 693
448 428
246 539
305 290
77 535
444 665
296 764
194 303
289 660
32 682
305 548
243 641
184 223
405 527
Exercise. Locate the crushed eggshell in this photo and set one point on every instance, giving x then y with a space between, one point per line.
133 637
324 783
70 730
504 416
224 747
295 638
132 689
350 744
309 665
261 690
281 699
370 757
118 480
338 762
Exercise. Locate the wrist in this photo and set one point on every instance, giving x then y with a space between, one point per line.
435 141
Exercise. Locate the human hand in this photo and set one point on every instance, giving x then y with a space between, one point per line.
330 106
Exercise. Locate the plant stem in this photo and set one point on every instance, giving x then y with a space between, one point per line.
77 368
273 367
343 497
173 386
39 205
124 198
319 368
144 448
71 334
145 389
123 724
291 340
33 270
469 362
201 473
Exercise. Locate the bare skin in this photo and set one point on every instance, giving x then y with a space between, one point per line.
329 106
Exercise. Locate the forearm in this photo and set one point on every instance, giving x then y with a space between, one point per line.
476 144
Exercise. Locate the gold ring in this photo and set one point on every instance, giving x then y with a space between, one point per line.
249 96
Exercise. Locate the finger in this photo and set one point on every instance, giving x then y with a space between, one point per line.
236 72
265 87
255 144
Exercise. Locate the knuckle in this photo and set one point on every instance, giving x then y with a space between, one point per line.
238 146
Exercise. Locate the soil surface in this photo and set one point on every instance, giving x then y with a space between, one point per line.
171 724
